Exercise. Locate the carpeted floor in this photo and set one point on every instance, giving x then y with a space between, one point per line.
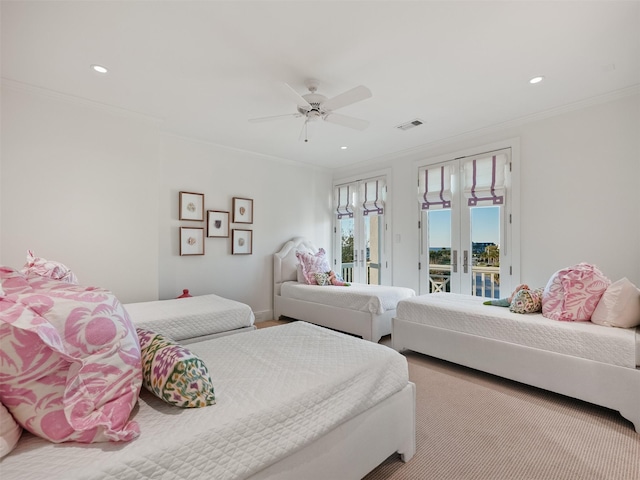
472 425
475 426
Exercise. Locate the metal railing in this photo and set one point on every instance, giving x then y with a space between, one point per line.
485 280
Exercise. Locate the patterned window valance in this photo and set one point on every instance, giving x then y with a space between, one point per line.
434 187
484 180
343 201
372 195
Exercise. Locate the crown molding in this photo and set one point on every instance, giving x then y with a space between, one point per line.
22 87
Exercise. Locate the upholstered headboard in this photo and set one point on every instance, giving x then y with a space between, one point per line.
285 262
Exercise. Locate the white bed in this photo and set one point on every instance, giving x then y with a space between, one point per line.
294 401
363 310
192 319
583 360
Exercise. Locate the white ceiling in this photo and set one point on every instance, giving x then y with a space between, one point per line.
204 68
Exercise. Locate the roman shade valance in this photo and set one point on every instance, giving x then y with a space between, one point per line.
484 180
343 201
434 187
372 195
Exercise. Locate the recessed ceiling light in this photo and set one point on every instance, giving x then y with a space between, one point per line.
99 68
343 147
536 79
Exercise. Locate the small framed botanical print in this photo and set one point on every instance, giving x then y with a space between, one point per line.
217 223
241 242
192 206
191 241
242 210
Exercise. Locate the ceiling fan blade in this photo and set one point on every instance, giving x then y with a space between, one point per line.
346 121
297 98
347 98
273 117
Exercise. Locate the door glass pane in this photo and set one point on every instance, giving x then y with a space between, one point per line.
373 235
346 248
439 245
485 248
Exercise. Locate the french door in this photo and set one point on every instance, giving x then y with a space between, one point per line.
464 226
359 231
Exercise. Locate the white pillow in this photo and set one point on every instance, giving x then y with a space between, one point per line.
619 306
10 431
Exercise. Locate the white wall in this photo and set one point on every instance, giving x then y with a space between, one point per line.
579 191
288 200
79 185
97 189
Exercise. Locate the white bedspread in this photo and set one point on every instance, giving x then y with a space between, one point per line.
277 389
374 299
464 313
191 317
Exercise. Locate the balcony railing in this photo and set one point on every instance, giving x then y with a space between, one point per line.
347 272
485 280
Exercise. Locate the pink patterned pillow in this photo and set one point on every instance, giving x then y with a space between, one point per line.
312 264
71 366
573 293
48 268
10 432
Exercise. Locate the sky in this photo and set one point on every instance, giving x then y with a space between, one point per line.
485 226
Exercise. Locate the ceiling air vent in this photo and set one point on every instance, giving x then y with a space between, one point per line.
409 125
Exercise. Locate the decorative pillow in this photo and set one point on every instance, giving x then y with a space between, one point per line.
322 279
71 360
313 263
299 275
48 268
573 293
619 306
10 431
527 301
173 373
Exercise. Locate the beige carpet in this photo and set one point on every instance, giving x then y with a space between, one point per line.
472 425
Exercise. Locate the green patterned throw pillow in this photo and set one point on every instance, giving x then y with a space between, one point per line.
173 373
527 301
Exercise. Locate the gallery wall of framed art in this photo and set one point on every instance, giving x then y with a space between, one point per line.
191 207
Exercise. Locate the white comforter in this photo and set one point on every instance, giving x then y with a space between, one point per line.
192 317
467 314
375 299
277 390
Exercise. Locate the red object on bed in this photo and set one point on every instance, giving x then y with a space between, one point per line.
185 293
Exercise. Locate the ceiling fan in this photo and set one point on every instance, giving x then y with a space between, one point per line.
314 107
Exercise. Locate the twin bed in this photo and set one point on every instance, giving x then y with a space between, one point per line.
590 362
293 401
362 310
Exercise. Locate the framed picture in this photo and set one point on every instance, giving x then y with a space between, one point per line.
242 210
191 241
241 242
217 223
192 206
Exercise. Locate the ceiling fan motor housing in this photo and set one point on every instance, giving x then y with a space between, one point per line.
315 100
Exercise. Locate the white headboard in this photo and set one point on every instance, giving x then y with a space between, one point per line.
285 262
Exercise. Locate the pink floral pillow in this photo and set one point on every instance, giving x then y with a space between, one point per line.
48 268
71 360
312 264
573 293
10 432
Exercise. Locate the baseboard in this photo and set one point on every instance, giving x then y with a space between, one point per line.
263 315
